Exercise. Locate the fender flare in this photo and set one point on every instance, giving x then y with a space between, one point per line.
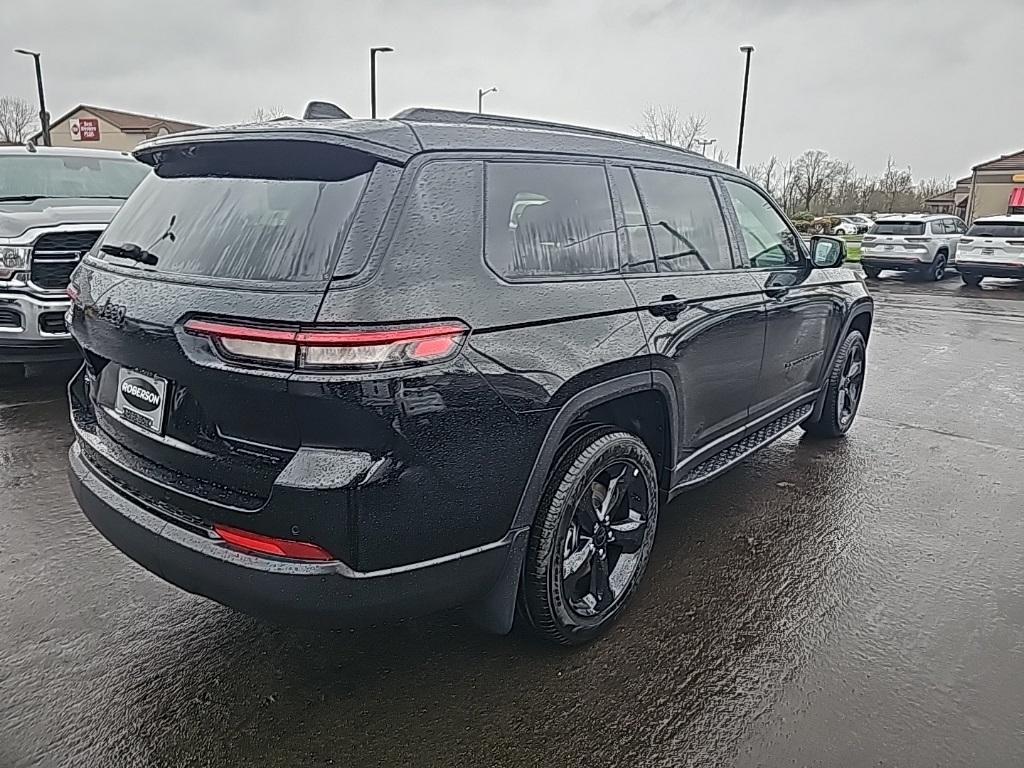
863 308
627 384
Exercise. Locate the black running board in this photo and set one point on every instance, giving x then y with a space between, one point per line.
727 458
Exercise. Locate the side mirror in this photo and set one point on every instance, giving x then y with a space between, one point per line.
827 251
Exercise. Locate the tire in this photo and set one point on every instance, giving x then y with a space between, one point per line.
560 602
937 269
872 273
839 412
972 280
11 373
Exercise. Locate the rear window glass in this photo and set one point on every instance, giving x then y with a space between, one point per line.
898 228
549 220
253 210
1013 229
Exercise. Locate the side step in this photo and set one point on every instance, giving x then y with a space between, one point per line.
739 450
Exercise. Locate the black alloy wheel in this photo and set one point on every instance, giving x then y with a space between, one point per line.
937 270
592 537
844 389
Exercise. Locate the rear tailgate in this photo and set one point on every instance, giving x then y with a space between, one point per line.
995 242
238 231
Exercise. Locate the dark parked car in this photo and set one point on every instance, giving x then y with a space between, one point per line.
342 371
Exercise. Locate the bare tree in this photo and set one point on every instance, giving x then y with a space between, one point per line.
813 176
263 114
927 188
663 124
894 182
17 119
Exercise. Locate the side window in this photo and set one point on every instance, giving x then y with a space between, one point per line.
635 242
770 241
686 221
942 227
548 219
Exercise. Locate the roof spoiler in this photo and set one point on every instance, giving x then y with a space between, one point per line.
324 110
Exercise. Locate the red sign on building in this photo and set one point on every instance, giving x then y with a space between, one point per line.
85 129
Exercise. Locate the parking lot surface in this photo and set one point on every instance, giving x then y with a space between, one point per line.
853 603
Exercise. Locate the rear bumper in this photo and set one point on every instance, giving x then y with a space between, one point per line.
991 269
26 330
320 594
894 262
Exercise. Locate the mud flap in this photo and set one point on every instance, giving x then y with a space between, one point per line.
496 610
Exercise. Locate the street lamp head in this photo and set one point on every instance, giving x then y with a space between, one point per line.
746 49
382 49
26 52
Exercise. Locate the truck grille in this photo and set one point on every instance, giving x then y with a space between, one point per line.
56 255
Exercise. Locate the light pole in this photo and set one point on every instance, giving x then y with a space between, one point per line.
373 77
704 144
746 49
44 116
480 93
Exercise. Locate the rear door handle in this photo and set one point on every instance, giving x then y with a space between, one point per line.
669 307
776 292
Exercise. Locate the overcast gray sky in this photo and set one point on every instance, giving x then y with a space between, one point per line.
937 84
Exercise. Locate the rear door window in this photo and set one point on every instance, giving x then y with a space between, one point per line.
685 220
635 239
549 220
259 210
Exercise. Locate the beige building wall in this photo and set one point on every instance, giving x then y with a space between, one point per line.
110 136
992 193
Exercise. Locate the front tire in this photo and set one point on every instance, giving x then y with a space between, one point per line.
844 389
592 537
972 280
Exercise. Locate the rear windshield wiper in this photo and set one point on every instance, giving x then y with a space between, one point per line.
130 251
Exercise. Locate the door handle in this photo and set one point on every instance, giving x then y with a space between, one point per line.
776 291
669 307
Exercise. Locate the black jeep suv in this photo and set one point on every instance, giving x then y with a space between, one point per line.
339 371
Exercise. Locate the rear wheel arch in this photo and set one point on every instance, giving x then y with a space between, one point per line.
636 402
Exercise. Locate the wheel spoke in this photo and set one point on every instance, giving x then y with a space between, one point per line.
575 567
616 490
586 510
629 534
855 368
841 400
600 585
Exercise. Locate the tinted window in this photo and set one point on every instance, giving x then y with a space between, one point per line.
1014 229
768 238
685 220
549 219
944 227
275 211
41 175
637 255
898 228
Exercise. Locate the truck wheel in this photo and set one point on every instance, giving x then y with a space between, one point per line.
972 280
11 373
872 272
592 537
843 390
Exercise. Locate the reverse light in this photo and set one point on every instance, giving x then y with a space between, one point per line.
355 349
257 543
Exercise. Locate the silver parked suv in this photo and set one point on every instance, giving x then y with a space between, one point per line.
54 203
921 243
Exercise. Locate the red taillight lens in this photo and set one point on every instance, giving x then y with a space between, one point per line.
72 292
966 239
259 544
343 349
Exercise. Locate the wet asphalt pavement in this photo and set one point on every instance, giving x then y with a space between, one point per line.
858 603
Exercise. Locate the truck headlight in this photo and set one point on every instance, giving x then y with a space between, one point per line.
13 258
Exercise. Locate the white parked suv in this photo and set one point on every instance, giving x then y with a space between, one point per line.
922 243
992 247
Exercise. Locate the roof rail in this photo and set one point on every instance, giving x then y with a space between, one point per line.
429 115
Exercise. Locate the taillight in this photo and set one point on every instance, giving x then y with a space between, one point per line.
356 349
966 239
919 239
247 541
1015 242
869 238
